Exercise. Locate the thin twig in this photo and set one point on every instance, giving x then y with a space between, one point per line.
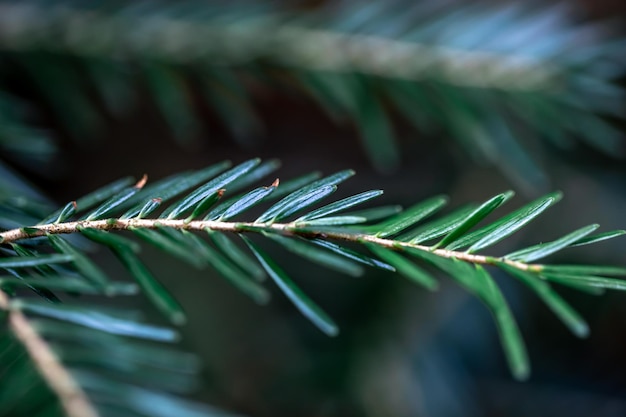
72 398
239 227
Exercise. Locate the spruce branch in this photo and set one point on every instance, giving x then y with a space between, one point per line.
251 38
488 76
69 393
190 217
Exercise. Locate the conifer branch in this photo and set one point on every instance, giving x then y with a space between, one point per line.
452 70
184 41
165 213
72 398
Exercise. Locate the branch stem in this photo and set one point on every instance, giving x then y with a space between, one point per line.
241 227
73 399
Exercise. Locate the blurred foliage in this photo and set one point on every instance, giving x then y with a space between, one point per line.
488 76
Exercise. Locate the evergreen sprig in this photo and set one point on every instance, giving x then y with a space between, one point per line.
489 76
93 359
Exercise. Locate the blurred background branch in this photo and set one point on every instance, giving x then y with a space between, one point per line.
488 76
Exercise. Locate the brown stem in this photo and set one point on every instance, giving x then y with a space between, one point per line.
201 225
